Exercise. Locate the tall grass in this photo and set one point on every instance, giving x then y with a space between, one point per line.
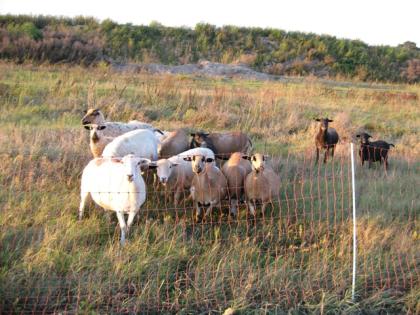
295 257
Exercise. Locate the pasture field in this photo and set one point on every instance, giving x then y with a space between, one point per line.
296 257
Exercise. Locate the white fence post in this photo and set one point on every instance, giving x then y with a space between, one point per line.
353 186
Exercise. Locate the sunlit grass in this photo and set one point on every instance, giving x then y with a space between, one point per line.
296 256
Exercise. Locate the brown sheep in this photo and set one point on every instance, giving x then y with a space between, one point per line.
222 144
235 170
373 151
262 184
173 143
326 138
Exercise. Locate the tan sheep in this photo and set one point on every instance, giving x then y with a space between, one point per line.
209 185
262 184
235 170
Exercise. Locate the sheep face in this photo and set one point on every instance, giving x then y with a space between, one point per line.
95 131
364 137
132 165
93 116
199 139
198 162
258 161
164 169
324 122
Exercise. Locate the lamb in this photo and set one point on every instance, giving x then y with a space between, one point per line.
262 184
173 143
209 185
235 170
222 144
326 138
175 173
373 151
115 184
142 143
113 128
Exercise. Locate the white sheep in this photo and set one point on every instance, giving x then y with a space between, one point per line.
141 143
235 170
115 184
175 173
209 185
113 128
262 184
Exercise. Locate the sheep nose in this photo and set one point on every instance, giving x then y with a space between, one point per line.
163 180
130 178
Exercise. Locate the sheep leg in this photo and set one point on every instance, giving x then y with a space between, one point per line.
176 197
370 163
123 226
83 198
251 208
197 212
233 207
130 220
332 151
208 211
264 204
327 151
317 156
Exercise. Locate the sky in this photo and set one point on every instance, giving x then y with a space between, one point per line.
386 22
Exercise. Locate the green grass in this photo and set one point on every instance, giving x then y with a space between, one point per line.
295 257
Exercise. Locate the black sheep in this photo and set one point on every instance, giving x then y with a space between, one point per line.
373 151
326 138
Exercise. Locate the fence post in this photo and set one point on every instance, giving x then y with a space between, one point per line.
353 186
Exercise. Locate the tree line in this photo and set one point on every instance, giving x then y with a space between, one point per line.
86 41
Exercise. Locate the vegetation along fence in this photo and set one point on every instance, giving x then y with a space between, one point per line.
298 253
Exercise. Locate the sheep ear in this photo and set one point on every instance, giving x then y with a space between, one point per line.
152 165
188 158
158 131
317 119
192 134
330 120
88 127
209 160
246 157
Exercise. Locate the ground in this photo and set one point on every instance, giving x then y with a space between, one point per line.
296 257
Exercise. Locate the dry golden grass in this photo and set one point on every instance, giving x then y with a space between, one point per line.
295 257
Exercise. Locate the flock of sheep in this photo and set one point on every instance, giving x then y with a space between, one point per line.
124 152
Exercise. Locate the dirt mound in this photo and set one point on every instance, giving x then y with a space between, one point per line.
204 67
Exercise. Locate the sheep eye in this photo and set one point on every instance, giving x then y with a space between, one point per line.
254 158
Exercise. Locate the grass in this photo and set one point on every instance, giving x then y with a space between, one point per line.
294 258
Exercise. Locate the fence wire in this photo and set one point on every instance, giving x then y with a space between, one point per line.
296 250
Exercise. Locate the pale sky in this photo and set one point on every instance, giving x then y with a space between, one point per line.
386 22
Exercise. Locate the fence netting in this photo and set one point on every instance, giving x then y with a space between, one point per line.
297 252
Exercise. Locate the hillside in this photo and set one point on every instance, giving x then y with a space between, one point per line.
43 39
